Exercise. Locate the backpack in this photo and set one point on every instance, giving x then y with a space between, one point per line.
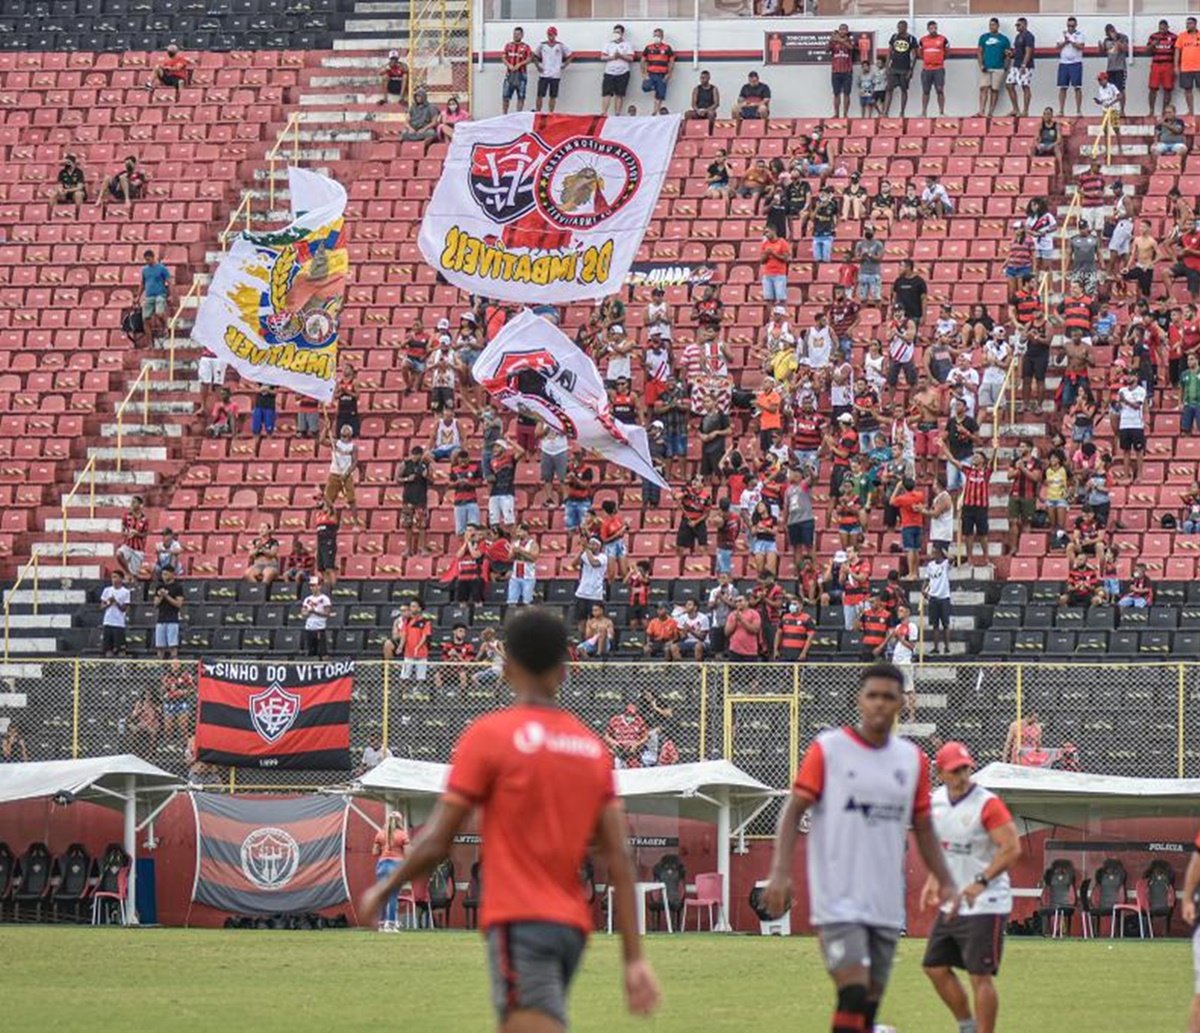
1168 522
132 325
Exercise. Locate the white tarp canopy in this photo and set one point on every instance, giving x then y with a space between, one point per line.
102 780
115 782
710 790
413 785
1075 797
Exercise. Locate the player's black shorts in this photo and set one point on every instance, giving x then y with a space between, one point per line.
532 964
970 942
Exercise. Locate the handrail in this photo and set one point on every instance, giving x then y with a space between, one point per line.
1006 386
292 127
1044 293
244 207
66 500
1108 129
1073 210
193 292
34 561
143 379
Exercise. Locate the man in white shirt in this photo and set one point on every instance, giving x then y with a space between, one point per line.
936 201
996 356
593 569
937 585
316 611
618 58
1107 94
981 844
817 351
619 350
903 636
374 753
1070 66
114 602
862 787
551 57
1131 424
343 468
693 629
964 376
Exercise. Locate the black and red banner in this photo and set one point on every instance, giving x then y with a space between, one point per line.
262 856
275 715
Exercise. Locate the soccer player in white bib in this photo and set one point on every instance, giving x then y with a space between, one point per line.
981 844
863 788
1191 883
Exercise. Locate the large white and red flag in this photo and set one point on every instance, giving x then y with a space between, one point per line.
546 208
531 367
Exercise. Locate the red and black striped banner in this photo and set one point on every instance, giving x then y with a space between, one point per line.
275 715
268 856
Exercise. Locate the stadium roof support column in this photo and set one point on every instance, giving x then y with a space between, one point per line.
723 837
131 845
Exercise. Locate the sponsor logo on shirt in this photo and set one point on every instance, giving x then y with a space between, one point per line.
532 737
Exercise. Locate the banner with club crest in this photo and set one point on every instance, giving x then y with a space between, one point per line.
262 856
546 208
275 715
273 306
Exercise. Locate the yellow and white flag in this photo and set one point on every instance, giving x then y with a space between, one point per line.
273 305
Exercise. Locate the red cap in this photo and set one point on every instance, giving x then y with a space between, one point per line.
954 755
552 31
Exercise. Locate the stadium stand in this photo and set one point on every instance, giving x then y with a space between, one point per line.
259 91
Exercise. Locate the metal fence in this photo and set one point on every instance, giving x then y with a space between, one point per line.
1134 719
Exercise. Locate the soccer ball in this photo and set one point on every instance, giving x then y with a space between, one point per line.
886 1029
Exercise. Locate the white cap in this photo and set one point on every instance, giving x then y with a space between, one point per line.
840 556
659 424
468 316
779 310
314 580
617 328
393 53
845 418
443 323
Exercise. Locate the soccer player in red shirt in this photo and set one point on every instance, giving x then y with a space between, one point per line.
864 788
1191 883
543 783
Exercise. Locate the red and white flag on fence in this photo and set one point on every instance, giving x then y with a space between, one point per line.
546 208
531 367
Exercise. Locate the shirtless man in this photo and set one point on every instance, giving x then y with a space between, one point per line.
598 633
926 407
1143 254
1079 359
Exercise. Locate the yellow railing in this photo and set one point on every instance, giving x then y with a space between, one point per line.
1064 247
142 381
1109 128
441 36
88 471
193 292
1007 387
231 227
34 560
292 129
1044 294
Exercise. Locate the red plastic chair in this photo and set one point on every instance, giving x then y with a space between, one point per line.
1141 908
710 894
120 896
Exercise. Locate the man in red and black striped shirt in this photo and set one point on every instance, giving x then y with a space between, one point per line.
135 526
808 430
1083 584
1091 196
658 61
457 652
977 483
696 503
1078 310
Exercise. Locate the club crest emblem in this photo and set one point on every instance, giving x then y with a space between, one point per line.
503 176
585 181
270 858
273 711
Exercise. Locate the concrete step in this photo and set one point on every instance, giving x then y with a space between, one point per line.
143 430
390 26
181 365
85 525
93 550
75 572
930 700
334 81
126 476
334 135
31 646
18 671
380 113
49 596
264 176
359 61
1127 129
115 500
961 598
931 671
396 41
377 7
150 453
49 621
1110 171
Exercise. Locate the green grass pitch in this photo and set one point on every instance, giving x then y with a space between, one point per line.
64 979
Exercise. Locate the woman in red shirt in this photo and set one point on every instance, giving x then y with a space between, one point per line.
391 843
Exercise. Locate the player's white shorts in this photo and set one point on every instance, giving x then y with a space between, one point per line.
1196 957
212 371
